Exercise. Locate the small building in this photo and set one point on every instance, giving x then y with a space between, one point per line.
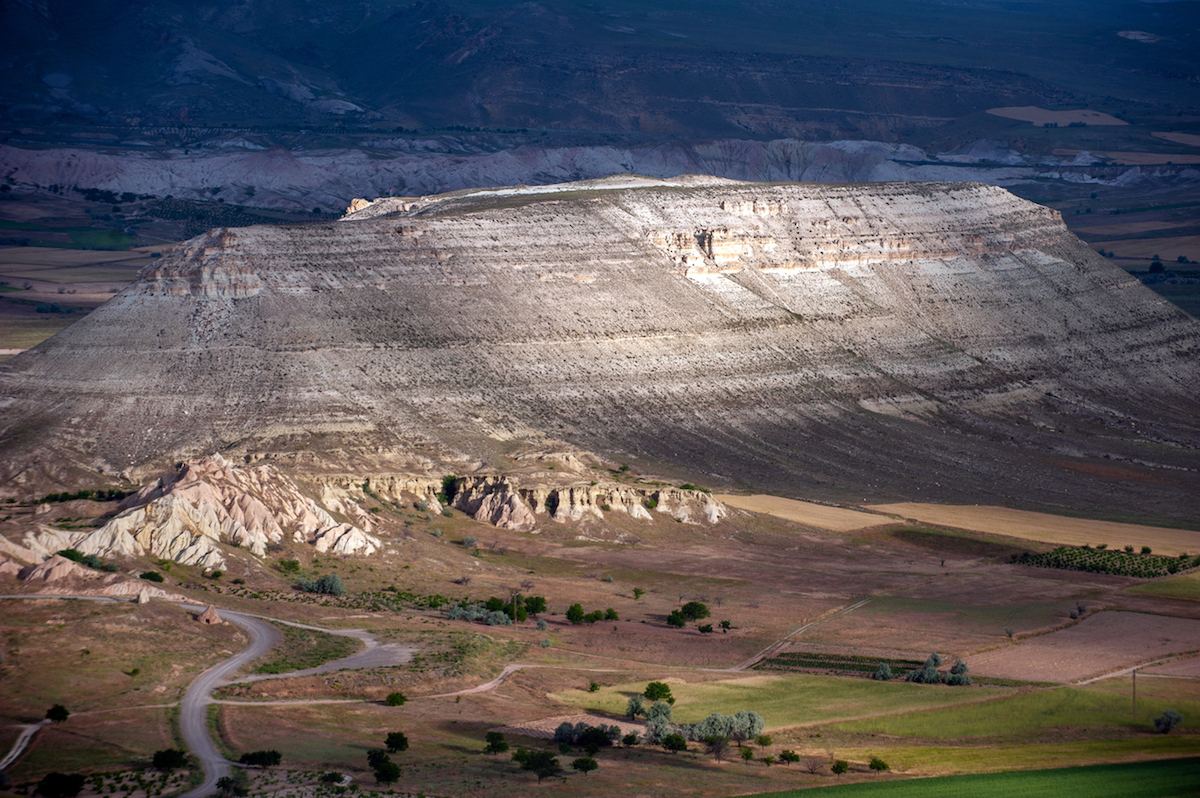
209 616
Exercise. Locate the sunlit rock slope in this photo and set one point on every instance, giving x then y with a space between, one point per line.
937 341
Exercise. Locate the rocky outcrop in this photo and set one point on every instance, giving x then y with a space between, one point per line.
185 517
57 569
503 502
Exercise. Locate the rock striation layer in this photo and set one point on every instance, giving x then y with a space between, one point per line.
934 341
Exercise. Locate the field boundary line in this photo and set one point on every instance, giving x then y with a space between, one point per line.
779 644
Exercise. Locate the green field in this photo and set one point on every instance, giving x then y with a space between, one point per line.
1184 586
1106 705
305 648
786 701
1162 779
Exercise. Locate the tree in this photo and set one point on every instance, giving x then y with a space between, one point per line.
535 605
387 772
694 611
61 785
495 743
788 756
233 785
262 759
747 754
396 741
746 725
1167 720
630 740
839 767
768 760
611 615
958 675
575 614
585 764
659 691
376 757
674 743
395 699
716 744
57 713
676 619
638 593
659 712
329 585
543 764
883 673
169 759
635 707
879 764
927 673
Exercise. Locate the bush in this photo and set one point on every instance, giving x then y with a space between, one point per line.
958 675
262 759
883 673
57 713
545 643
495 743
706 629
676 619
630 740
151 576
585 764
674 743
169 759
635 707
879 764
469 542
329 585
396 741
658 691
395 699
61 785
611 615
1167 720
694 611
788 757
542 763
575 614
74 555
542 625
839 767
1145 549
292 567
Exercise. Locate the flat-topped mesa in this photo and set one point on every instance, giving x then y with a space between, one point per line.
925 340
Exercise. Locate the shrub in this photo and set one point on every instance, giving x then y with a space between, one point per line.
638 593
674 743
292 567
706 629
630 740
879 764
747 754
262 759
883 673
611 615
61 785
469 541
575 614
495 743
1129 549
57 713
694 611
676 619
1167 720
330 585
788 757
74 555
545 643
1145 549
585 764
151 576
169 759
635 707
958 675
542 625
395 699
658 691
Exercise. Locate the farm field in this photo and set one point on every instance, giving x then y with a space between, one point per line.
1133 158
1041 116
1162 779
1190 139
785 701
1049 528
1100 643
1183 586
837 519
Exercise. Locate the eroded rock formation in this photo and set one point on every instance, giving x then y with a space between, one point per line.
935 341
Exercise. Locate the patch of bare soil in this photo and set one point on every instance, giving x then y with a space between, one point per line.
1101 643
1133 158
822 516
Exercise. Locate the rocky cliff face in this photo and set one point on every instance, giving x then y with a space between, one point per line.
937 341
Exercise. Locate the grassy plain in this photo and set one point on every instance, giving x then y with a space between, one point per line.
1048 528
1183 586
1041 116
